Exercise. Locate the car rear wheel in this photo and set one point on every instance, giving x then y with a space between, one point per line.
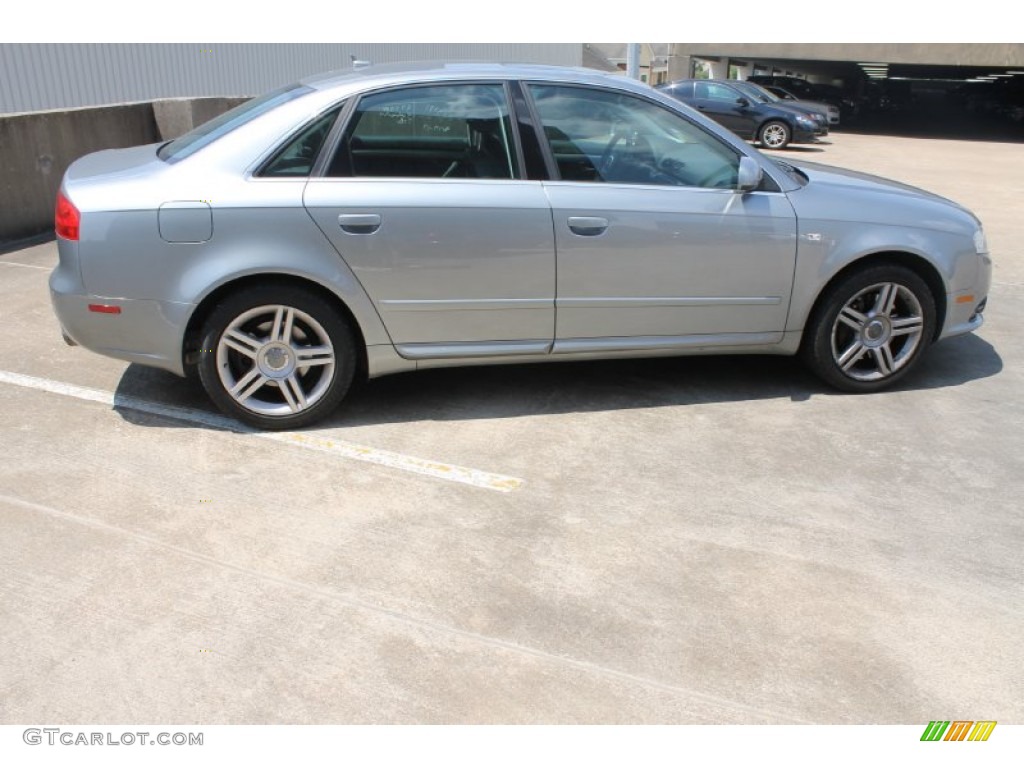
277 358
774 134
870 329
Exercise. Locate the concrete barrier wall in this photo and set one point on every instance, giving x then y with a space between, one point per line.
37 147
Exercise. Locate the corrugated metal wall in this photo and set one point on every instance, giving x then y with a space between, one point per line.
67 75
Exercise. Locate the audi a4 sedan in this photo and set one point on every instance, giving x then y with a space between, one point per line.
396 218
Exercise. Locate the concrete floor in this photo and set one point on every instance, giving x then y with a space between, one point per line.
717 540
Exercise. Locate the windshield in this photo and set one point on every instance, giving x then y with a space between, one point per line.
748 90
208 132
757 92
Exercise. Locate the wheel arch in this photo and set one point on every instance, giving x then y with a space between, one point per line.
193 330
776 119
915 262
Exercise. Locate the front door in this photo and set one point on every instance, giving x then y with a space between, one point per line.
655 247
727 106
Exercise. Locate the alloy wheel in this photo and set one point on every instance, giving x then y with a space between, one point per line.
275 360
877 332
774 136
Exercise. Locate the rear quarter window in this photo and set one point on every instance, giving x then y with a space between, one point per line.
210 131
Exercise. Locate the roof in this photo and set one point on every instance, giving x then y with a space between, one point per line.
396 74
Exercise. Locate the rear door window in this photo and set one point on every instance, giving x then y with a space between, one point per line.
454 131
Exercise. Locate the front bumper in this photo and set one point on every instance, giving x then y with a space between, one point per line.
808 136
965 309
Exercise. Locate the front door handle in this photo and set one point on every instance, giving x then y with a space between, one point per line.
588 226
359 223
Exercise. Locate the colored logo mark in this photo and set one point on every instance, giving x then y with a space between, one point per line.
958 730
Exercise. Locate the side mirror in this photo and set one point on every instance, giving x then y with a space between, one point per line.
742 102
748 177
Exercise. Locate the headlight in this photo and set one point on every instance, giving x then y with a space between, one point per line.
805 121
980 245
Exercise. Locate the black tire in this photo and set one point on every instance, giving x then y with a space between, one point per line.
891 343
775 134
282 328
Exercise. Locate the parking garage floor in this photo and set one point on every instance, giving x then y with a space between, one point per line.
716 540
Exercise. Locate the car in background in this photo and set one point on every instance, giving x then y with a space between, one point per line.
803 89
831 110
799 87
400 218
756 92
749 116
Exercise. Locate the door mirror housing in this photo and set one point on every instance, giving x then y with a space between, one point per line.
742 102
748 176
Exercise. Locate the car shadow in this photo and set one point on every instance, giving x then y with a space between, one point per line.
509 391
798 149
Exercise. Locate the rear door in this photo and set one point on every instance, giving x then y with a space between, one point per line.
425 199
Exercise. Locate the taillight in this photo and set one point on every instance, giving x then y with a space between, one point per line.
66 218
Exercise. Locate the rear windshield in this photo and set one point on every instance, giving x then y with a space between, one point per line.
208 132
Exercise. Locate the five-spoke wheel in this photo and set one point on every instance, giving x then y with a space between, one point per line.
276 358
870 328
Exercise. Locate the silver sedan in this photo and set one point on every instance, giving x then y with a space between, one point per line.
389 219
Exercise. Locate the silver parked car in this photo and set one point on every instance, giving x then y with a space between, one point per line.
390 219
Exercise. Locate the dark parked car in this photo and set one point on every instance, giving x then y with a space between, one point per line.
799 87
781 93
802 89
758 93
775 126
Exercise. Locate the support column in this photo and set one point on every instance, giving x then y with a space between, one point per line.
745 71
719 69
680 66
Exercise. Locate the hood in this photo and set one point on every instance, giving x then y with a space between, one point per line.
833 176
814 106
862 196
791 107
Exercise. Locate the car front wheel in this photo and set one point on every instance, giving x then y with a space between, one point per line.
774 134
870 329
277 358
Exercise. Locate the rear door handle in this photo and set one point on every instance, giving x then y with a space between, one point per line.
588 226
359 223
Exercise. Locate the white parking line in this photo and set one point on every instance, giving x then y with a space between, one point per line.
27 266
342 448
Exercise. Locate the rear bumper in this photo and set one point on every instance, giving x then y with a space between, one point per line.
145 331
